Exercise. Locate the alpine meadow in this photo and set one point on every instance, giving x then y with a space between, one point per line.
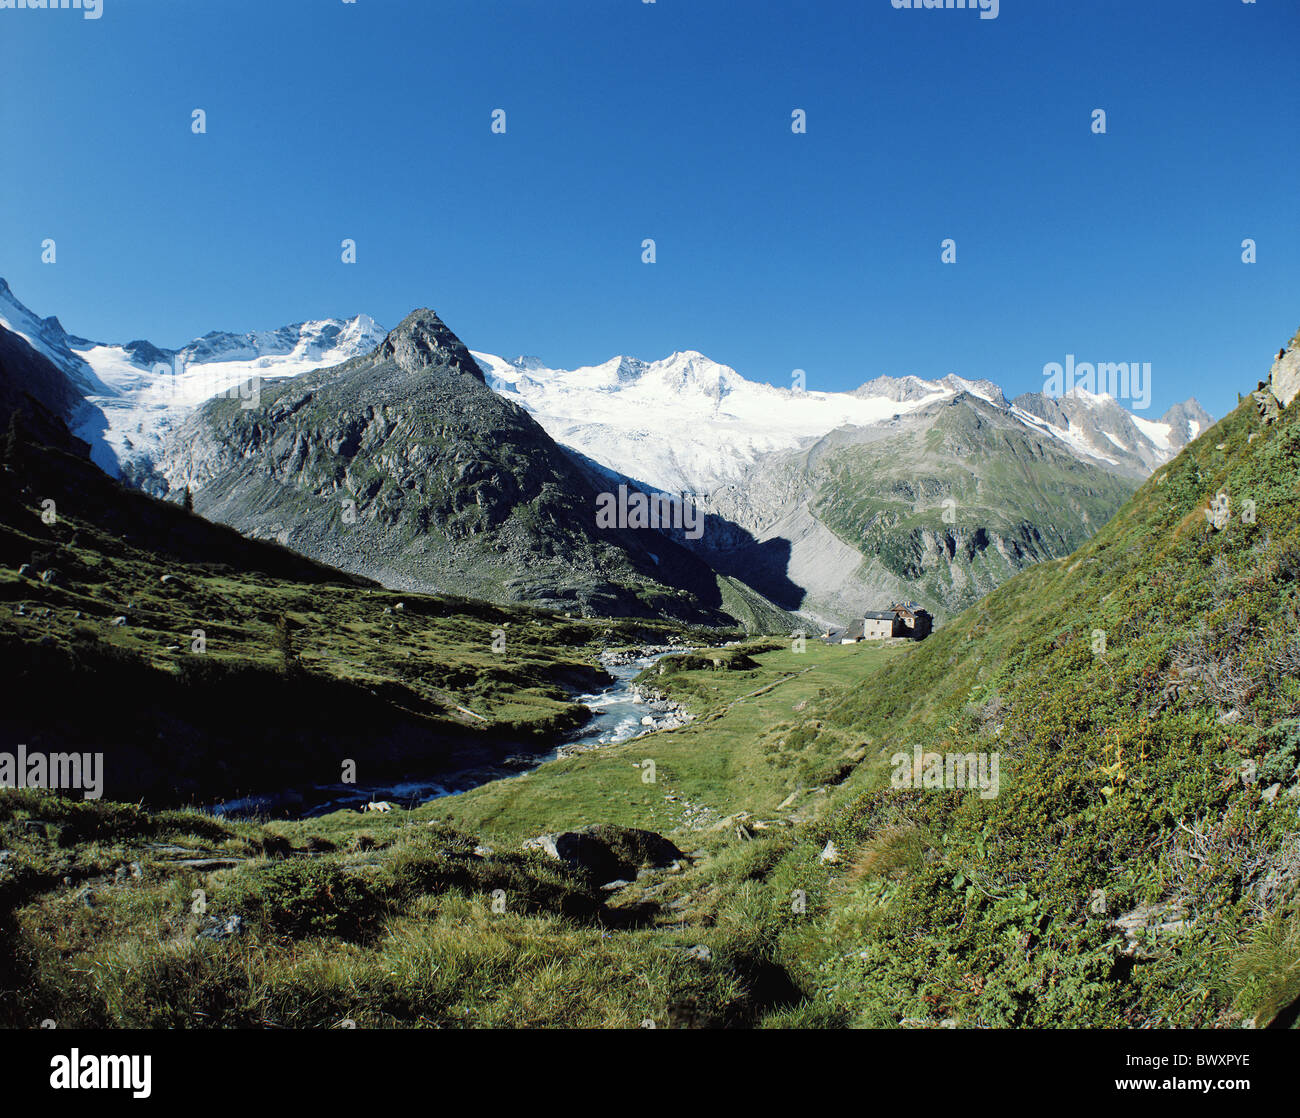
906 639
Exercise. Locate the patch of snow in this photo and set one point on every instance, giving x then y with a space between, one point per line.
1158 433
1070 436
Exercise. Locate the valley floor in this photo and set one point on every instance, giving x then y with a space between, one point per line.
436 916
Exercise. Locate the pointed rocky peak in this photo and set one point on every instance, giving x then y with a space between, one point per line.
422 340
1042 406
985 389
1186 421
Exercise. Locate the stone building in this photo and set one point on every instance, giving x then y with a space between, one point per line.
904 620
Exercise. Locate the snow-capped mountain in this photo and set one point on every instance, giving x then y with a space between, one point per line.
49 339
824 500
687 423
136 393
147 391
684 423
681 424
819 501
1097 426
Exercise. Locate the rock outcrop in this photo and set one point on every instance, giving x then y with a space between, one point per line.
608 852
1284 377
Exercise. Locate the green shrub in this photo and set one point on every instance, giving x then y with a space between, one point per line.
306 897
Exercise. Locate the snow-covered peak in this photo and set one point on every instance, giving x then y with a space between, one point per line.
985 389
1091 399
686 422
141 392
683 423
327 341
48 338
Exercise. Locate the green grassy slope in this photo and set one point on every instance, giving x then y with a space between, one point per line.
1015 500
1126 874
749 749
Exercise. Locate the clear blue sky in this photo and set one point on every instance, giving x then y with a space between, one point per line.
671 120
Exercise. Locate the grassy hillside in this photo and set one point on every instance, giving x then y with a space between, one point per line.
400 925
204 664
1130 872
1012 500
405 919
1139 866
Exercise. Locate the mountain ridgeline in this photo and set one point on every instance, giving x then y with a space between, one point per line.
825 501
403 465
412 461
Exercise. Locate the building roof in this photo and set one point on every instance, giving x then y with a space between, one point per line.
888 615
909 609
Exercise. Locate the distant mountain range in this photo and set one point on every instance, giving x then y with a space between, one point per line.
131 395
689 423
471 474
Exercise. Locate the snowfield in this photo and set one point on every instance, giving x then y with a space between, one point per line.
127 423
683 424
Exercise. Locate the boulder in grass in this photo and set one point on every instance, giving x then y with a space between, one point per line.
607 852
220 928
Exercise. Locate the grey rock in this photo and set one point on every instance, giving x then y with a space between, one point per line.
1285 374
220 928
1147 923
608 852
